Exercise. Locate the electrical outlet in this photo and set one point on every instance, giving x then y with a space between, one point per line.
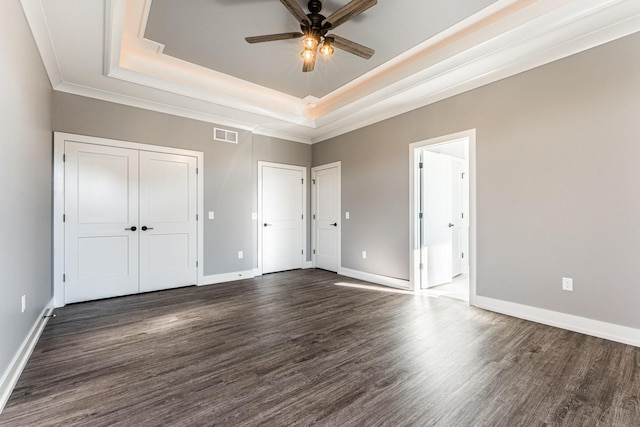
24 303
240 254
567 284
364 254
212 215
346 215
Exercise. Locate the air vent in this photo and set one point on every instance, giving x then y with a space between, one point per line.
225 135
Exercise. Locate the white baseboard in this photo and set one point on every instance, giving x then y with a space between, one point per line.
227 277
375 278
596 328
12 374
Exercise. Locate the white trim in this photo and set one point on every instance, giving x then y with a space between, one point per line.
506 38
375 278
20 359
39 26
303 169
414 238
307 265
59 139
583 325
214 279
314 170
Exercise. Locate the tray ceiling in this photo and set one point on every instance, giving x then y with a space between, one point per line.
189 57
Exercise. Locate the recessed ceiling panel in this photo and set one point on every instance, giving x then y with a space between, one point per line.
211 33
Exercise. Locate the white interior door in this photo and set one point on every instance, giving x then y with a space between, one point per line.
168 225
326 217
437 244
101 219
457 195
282 218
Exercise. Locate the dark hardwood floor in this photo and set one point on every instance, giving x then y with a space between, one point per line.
294 349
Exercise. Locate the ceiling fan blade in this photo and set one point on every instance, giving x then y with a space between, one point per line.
273 37
351 47
309 65
348 11
294 8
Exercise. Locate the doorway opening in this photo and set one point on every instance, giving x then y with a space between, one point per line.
443 216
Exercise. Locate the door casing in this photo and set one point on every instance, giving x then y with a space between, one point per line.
59 139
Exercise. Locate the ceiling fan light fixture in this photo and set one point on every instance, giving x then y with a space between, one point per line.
326 49
310 42
308 54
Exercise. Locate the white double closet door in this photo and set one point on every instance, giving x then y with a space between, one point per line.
130 221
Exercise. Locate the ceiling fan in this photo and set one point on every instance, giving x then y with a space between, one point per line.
315 27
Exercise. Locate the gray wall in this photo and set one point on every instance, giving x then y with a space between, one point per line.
558 177
230 169
25 182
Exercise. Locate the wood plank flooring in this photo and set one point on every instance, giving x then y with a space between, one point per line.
293 348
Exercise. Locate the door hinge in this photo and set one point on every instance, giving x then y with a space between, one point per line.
462 175
314 251
420 165
64 217
462 215
420 215
420 266
314 181
302 252
462 255
64 278
302 180
64 158
314 216
302 216
197 217
196 263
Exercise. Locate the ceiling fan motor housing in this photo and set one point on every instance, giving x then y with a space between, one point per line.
315 28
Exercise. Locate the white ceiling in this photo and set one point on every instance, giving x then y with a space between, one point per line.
189 58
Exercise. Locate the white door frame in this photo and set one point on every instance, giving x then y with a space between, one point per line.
303 169
315 169
59 139
414 221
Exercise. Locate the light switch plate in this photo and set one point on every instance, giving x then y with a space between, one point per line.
346 215
567 284
211 215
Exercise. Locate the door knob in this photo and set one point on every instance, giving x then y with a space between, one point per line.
451 225
145 228
267 225
134 228
335 224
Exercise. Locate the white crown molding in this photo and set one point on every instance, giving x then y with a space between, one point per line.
40 30
509 37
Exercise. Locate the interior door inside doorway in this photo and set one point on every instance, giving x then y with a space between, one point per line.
444 227
282 216
326 216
